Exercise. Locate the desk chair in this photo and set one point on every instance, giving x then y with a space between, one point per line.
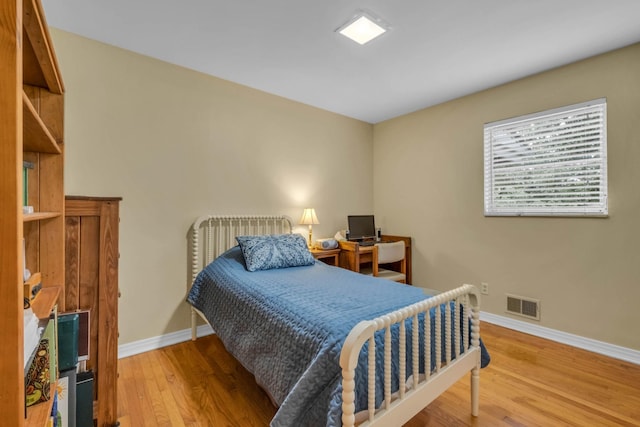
392 253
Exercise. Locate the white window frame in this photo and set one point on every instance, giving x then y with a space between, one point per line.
552 163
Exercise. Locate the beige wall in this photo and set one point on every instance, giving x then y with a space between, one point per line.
176 144
585 271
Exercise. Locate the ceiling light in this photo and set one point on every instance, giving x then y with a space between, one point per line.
363 27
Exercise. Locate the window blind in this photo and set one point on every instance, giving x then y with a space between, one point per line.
548 163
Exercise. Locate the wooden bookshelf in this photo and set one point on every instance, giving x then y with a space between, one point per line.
31 128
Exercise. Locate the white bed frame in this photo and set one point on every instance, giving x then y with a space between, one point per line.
218 235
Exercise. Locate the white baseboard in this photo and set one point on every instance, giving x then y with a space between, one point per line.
611 350
617 352
154 343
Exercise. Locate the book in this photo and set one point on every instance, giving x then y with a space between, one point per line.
68 332
43 370
61 414
25 182
38 386
25 271
84 335
31 335
55 414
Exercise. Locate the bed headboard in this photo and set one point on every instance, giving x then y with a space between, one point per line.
211 235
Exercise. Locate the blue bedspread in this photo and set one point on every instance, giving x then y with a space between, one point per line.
287 327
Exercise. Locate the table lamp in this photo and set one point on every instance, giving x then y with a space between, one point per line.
309 218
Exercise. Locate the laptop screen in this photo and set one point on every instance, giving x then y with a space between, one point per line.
361 227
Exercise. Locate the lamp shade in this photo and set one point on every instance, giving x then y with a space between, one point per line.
309 217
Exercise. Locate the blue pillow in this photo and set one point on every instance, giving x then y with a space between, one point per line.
274 251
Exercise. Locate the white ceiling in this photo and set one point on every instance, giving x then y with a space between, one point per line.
435 51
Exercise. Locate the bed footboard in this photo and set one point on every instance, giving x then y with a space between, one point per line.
462 355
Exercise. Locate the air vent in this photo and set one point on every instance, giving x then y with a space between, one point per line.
525 307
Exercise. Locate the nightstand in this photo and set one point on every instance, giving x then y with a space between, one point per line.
330 256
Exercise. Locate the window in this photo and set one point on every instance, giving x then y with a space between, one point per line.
548 163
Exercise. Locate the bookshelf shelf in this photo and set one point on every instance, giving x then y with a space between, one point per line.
44 302
38 216
40 65
37 137
38 414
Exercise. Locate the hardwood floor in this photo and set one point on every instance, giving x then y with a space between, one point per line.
530 382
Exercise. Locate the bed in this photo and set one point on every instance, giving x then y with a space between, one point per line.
331 347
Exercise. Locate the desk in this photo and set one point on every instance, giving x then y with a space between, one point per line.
352 255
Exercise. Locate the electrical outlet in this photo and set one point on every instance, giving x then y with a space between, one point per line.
484 288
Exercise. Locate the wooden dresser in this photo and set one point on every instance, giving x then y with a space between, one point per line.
91 272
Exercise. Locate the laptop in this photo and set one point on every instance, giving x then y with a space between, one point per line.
362 229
